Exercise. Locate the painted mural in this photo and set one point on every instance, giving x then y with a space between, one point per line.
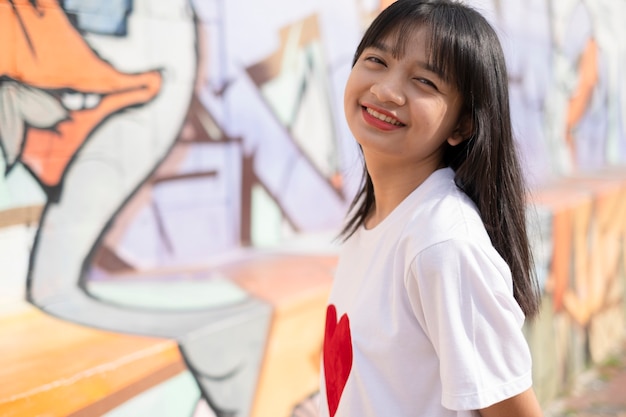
174 173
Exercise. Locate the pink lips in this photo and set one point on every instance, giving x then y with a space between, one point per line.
376 122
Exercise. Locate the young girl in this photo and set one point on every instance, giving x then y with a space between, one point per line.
434 278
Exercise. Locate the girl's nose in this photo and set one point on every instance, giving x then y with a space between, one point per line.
388 89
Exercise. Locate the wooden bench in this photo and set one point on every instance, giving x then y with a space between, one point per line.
49 367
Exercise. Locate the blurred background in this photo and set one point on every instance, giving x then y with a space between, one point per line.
174 173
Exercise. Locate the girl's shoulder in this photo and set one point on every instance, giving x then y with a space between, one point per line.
443 201
446 213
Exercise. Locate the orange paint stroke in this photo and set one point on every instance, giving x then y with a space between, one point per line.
581 98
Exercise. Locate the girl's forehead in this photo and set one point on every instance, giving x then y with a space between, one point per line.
401 39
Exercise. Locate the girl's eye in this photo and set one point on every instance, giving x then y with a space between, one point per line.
427 82
375 60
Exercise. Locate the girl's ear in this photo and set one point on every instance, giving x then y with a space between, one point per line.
464 130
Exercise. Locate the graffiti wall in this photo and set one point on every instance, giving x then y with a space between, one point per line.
174 172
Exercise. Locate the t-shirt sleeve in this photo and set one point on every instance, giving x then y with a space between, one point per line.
461 294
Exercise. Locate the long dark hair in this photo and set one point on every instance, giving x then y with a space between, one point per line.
465 48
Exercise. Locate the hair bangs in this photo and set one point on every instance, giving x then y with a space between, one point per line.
393 25
397 27
450 44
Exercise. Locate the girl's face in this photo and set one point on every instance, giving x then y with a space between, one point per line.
398 108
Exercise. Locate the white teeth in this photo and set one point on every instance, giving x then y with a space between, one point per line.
384 118
92 100
79 101
73 101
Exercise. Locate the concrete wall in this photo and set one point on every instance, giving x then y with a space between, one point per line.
174 173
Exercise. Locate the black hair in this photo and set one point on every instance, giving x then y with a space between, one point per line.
464 47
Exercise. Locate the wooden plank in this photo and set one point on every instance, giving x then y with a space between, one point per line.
49 367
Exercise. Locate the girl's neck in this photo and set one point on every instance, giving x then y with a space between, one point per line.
391 186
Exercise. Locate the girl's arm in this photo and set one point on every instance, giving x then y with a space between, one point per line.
521 405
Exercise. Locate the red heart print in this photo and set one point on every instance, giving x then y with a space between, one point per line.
337 357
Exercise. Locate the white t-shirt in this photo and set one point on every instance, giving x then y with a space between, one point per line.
421 320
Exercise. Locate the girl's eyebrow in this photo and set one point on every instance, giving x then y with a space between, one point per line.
430 68
383 47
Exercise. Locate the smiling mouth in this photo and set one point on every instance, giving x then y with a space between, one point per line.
383 117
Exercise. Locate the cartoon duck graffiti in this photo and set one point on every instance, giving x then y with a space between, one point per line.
90 117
